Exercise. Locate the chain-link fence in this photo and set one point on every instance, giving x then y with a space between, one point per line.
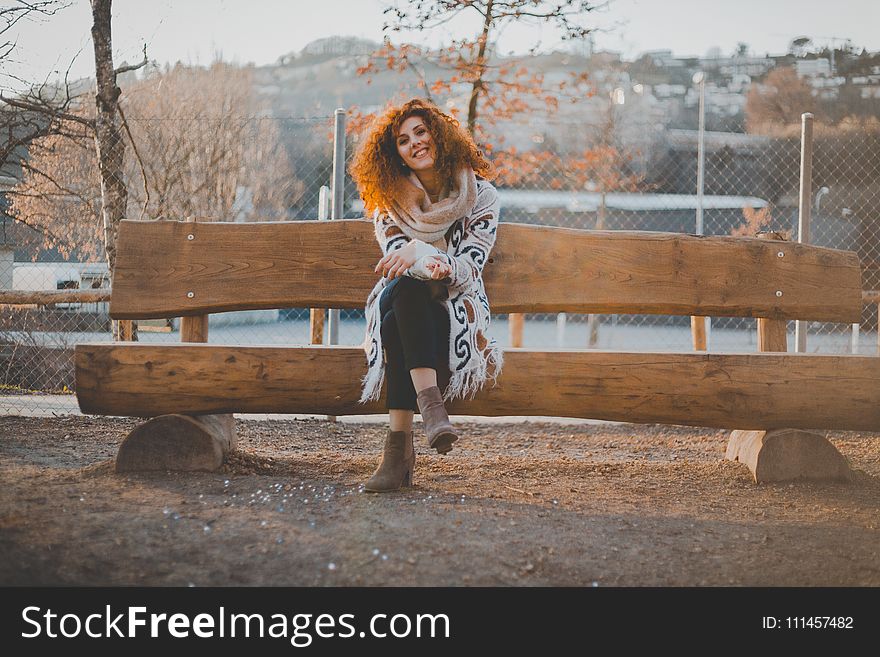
636 178
551 172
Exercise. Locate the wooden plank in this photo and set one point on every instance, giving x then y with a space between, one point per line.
194 328
47 297
734 391
154 326
772 335
170 268
698 332
316 325
515 324
125 331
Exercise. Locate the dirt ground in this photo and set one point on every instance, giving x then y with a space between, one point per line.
516 504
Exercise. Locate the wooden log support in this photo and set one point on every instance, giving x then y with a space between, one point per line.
177 442
785 454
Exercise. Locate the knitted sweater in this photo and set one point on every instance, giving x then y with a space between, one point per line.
473 356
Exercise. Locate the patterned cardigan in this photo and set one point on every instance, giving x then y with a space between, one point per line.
473 355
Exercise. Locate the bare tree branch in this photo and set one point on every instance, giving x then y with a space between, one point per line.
468 60
48 110
134 67
40 228
61 189
19 10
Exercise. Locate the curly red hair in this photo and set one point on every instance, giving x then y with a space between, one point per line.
377 168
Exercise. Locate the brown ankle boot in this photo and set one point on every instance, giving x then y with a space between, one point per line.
396 468
438 428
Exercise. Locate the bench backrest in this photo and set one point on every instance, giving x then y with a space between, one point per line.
171 269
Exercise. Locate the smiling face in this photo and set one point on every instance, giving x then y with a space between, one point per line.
415 145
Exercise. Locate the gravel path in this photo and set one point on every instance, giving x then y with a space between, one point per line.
513 504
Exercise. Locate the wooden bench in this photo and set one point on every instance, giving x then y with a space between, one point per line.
775 401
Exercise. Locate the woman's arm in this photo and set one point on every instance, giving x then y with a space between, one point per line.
477 241
398 250
403 256
431 264
388 234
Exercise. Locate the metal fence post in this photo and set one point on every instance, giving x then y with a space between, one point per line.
324 203
324 215
701 327
338 195
804 207
700 78
560 329
317 315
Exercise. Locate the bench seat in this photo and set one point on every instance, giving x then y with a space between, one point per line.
723 390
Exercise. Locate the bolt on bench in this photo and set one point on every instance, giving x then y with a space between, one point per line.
778 403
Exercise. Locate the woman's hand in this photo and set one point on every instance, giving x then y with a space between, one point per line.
397 262
439 268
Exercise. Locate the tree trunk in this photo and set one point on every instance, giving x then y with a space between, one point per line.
481 67
109 142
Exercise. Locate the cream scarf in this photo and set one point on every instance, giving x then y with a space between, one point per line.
420 219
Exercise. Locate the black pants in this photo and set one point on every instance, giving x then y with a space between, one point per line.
415 333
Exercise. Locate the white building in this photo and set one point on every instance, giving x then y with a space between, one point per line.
812 67
663 58
44 276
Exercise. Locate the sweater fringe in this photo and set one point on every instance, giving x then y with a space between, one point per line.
372 384
464 384
467 383
372 381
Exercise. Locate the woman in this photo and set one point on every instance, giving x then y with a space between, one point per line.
435 214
